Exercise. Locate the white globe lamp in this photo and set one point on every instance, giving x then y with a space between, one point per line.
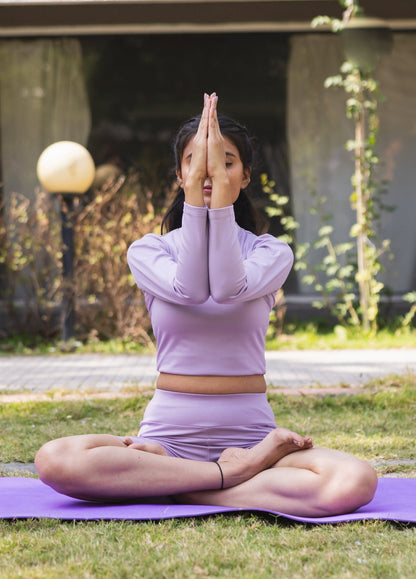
66 167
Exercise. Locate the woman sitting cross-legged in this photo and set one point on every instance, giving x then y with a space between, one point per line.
209 435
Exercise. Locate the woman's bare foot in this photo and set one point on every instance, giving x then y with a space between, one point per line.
239 464
280 442
152 447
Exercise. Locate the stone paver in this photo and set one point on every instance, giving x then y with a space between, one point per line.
335 367
287 369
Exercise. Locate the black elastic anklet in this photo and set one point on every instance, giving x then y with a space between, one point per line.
222 474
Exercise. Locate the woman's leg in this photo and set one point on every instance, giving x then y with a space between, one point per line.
315 482
101 466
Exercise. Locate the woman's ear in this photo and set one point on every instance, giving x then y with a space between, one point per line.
246 177
179 179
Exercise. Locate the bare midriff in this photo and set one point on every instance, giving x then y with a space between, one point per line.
211 384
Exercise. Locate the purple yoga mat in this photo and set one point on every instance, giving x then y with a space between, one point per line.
23 498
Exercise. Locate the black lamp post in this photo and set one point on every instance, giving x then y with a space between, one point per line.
66 169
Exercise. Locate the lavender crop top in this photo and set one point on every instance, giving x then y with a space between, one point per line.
209 288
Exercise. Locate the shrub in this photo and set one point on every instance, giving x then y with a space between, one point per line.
30 252
109 303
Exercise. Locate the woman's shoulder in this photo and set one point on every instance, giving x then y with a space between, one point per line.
166 242
250 241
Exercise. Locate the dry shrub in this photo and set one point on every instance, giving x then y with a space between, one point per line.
30 254
109 302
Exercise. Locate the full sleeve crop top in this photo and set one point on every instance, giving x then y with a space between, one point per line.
209 287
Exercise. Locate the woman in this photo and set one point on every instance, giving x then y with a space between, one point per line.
208 435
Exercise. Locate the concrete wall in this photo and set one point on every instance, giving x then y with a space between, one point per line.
42 100
318 130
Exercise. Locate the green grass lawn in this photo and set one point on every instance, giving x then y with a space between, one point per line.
294 336
378 424
222 546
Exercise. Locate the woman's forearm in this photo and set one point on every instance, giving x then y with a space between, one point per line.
193 189
221 194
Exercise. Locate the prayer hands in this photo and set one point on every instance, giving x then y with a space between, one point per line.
212 172
208 154
216 165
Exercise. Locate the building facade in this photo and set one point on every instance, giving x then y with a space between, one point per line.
119 76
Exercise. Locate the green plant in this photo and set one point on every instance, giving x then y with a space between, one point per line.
410 297
275 207
348 284
334 278
336 290
366 199
363 97
336 286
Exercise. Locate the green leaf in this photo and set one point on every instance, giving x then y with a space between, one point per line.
325 230
346 271
300 265
410 297
355 230
331 271
308 279
282 200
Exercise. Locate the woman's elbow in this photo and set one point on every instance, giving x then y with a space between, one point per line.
223 295
198 299
218 297
194 297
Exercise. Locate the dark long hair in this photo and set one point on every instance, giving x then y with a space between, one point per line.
245 213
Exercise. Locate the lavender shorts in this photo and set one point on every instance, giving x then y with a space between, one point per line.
201 426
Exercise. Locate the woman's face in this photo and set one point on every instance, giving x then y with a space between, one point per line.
238 176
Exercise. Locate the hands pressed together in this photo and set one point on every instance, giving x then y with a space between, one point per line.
208 155
211 170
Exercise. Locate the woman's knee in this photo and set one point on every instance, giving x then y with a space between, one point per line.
56 461
352 486
364 483
48 460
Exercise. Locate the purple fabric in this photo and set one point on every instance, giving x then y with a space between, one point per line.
202 426
23 498
209 287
